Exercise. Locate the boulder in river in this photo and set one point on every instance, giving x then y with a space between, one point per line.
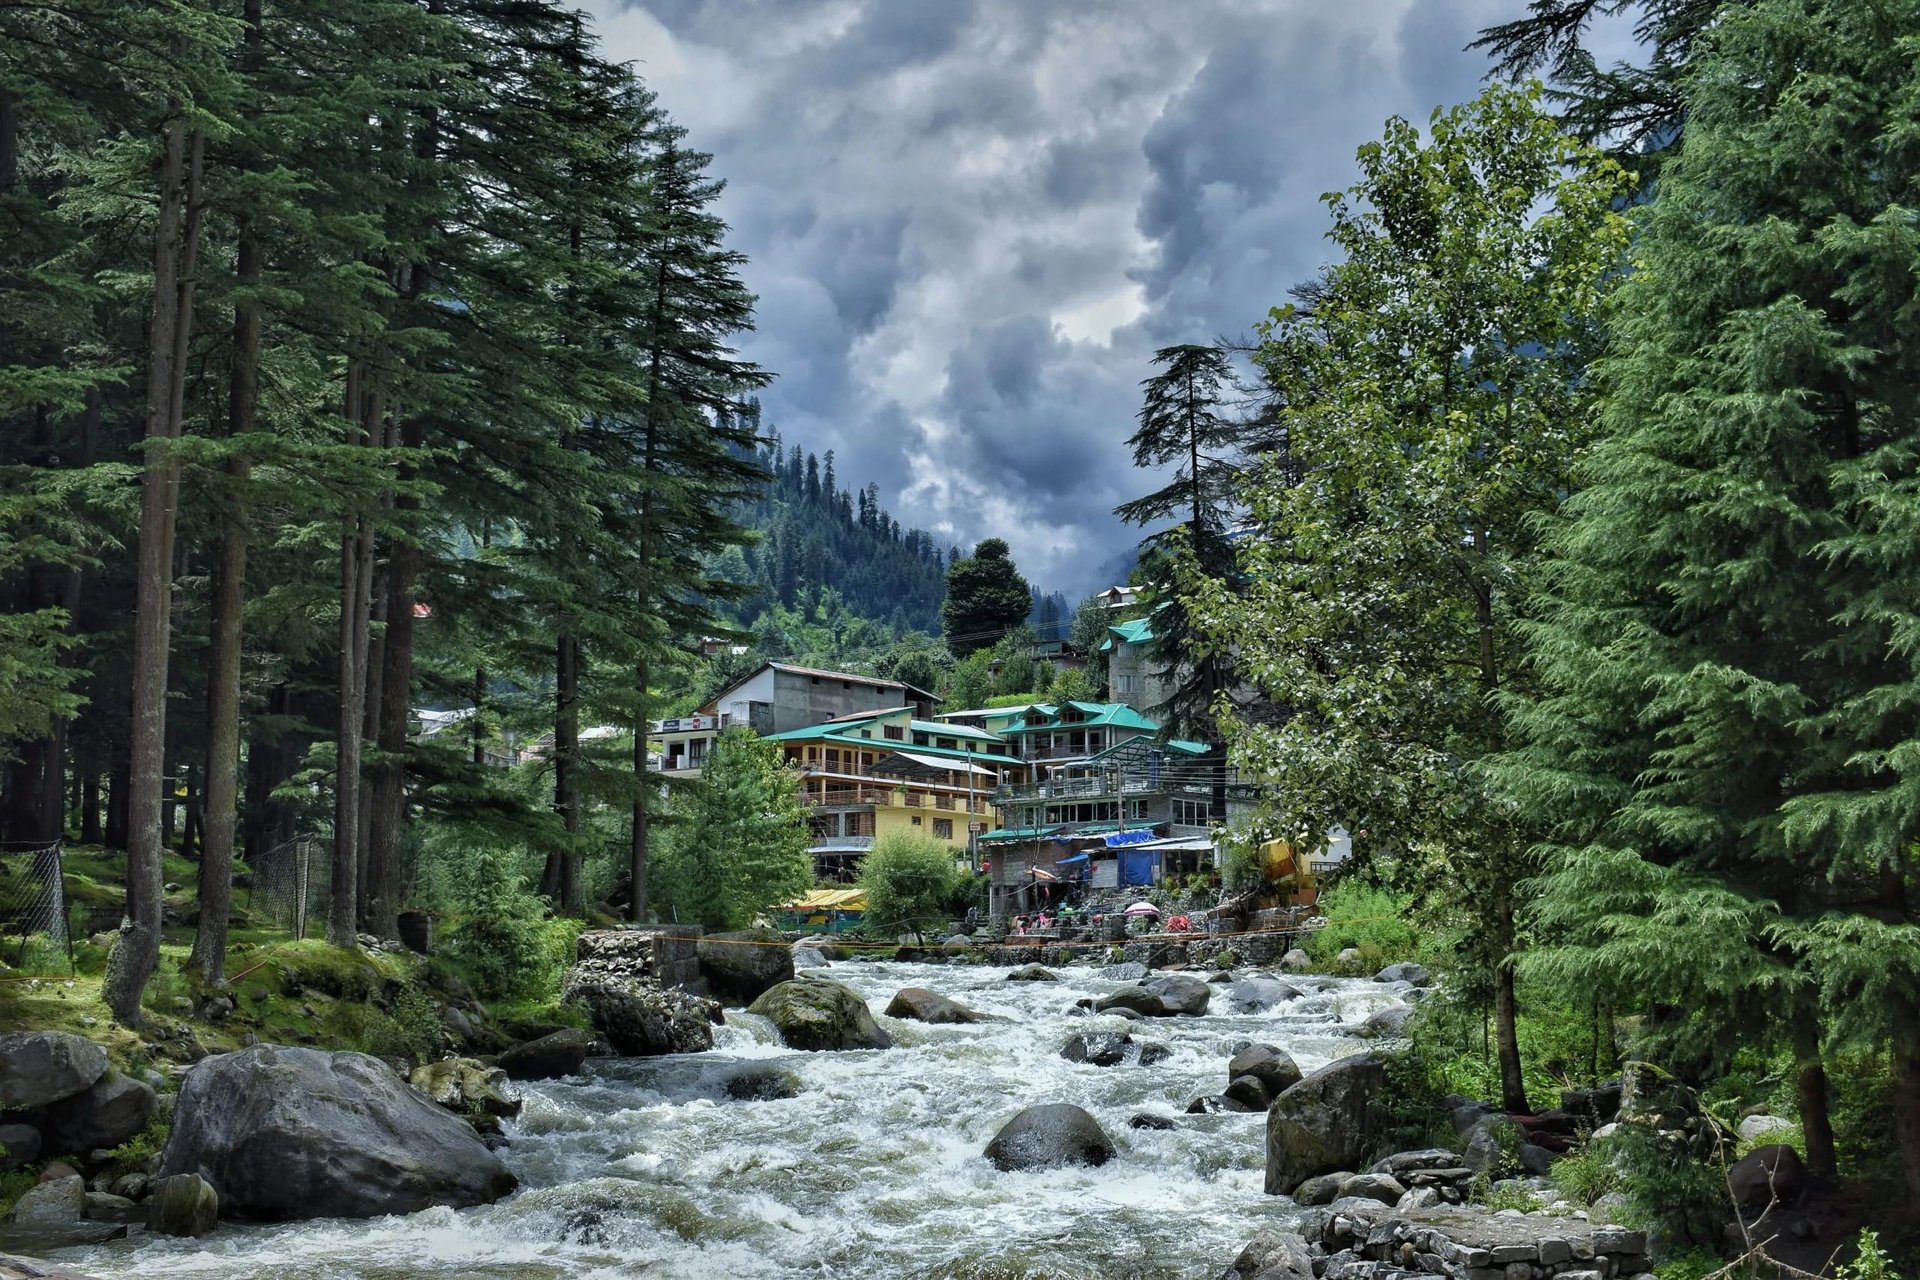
51 1203
762 1082
104 1115
1257 995
1049 1136
39 1067
465 1087
1032 973
1272 1066
1387 1022
1412 974
1179 992
1296 961
1250 1091
922 1005
1136 1000
739 966
285 1133
562 1053
816 1013
1217 1103
1097 1048
1273 1255
1324 1123
183 1205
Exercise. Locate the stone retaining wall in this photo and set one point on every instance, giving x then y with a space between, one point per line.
1362 1243
669 953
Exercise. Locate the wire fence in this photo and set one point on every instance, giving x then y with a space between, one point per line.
290 887
34 932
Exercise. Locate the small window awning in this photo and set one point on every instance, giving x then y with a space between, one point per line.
909 764
1067 862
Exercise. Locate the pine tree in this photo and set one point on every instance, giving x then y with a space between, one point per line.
739 844
1723 738
986 598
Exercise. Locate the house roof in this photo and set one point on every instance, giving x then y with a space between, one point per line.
985 711
919 763
834 733
872 682
1047 715
955 731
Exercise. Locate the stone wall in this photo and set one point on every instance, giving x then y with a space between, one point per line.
669 953
1361 1242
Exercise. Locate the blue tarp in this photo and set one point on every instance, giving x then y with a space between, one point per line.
1078 857
1140 836
1136 865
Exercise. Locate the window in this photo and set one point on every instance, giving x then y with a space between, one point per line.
919 739
833 758
943 828
948 743
916 819
1190 813
866 733
893 733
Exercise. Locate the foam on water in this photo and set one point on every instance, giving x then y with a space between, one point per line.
643 1167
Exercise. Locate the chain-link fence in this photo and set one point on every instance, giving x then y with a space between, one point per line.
289 887
34 934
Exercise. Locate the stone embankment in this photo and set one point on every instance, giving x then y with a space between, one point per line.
1359 1239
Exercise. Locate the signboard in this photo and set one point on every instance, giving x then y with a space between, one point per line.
687 724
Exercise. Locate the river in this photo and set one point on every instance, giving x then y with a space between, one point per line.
644 1168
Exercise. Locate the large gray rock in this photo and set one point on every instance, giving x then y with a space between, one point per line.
39 1067
806 957
1257 995
1408 972
1296 961
1136 1000
922 1005
1320 1189
1766 1175
1097 1048
1754 1128
1324 1123
1250 1091
1031 973
1047 1137
1387 1022
465 1087
106 1114
761 1082
19 1145
1383 1187
1180 992
1493 1144
183 1205
816 1013
740 966
562 1053
51 1203
1273 1255
282 1133
1272 1066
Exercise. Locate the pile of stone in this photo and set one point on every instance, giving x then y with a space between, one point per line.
616 980
1358 1239
1407 1179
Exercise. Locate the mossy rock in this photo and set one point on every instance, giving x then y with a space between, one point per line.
818 1014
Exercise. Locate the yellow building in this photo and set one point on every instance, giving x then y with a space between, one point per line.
870 773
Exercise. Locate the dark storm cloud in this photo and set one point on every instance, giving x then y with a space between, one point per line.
971 223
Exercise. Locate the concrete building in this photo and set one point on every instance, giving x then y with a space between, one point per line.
1134 676
779 698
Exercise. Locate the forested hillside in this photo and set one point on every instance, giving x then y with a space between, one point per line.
816 532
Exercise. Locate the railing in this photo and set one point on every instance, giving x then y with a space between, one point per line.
1074 789
943 801
1063 752
849 796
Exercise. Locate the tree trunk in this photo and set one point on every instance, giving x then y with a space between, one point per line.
118 788
175 241
90 805
388 783
226 625
1513 1085
1810 1088
566 890
371 671
356 585
1906 1100
637 867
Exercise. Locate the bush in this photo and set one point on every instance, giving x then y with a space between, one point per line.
1368 919
909 881
410 1030
1584 1175
507 948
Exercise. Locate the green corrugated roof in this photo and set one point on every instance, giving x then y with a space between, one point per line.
1138 631
1188 748
955 730
831 733
1016 833
1117 714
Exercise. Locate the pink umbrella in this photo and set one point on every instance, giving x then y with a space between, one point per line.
1143 909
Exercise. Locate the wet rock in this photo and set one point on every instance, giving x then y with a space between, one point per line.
1179 993
1416 975
762 1082
286 1133
562 1053
41 1067
740 965
629 1007
1492 1144
108 1113
1387 1022
1273 1067
1402 1163
805 957
1147 1120
1152 1051
1216 1104
1324 1123
1273 1255
816 1013
923 1005
1049 1136
1136 1000
19 1146
104 1206
1032 973
55 1201
1296 961
1767 1174
465 1087
1372 1186
184 1204
1097 1048
1321 1189
1250 1091
1257 995
131 1185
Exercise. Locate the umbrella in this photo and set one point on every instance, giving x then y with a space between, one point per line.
1143 909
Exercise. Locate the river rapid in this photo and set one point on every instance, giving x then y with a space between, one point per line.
644 1167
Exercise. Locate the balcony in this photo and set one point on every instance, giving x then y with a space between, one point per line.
1075 789
845 797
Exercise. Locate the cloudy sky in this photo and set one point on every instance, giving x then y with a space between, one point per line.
971 222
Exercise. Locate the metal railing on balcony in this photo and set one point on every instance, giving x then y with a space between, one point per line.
1075 789
845 796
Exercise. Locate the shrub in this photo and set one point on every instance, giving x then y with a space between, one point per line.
909 882
1586 1174
1870 1262
409 1030
1368 919
503 944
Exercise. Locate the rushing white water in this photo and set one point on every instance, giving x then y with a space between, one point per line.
645 1168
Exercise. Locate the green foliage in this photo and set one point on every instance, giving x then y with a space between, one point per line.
1495 1196
410 1030
1586 1173
135 1152
986 599
1870 1261
1690 1264
503 941
738 843
14 1185
910 881
1561 1047
970 684
1362 916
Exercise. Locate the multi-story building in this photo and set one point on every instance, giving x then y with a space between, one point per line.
1108 800
1134 675
868 773
779 698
